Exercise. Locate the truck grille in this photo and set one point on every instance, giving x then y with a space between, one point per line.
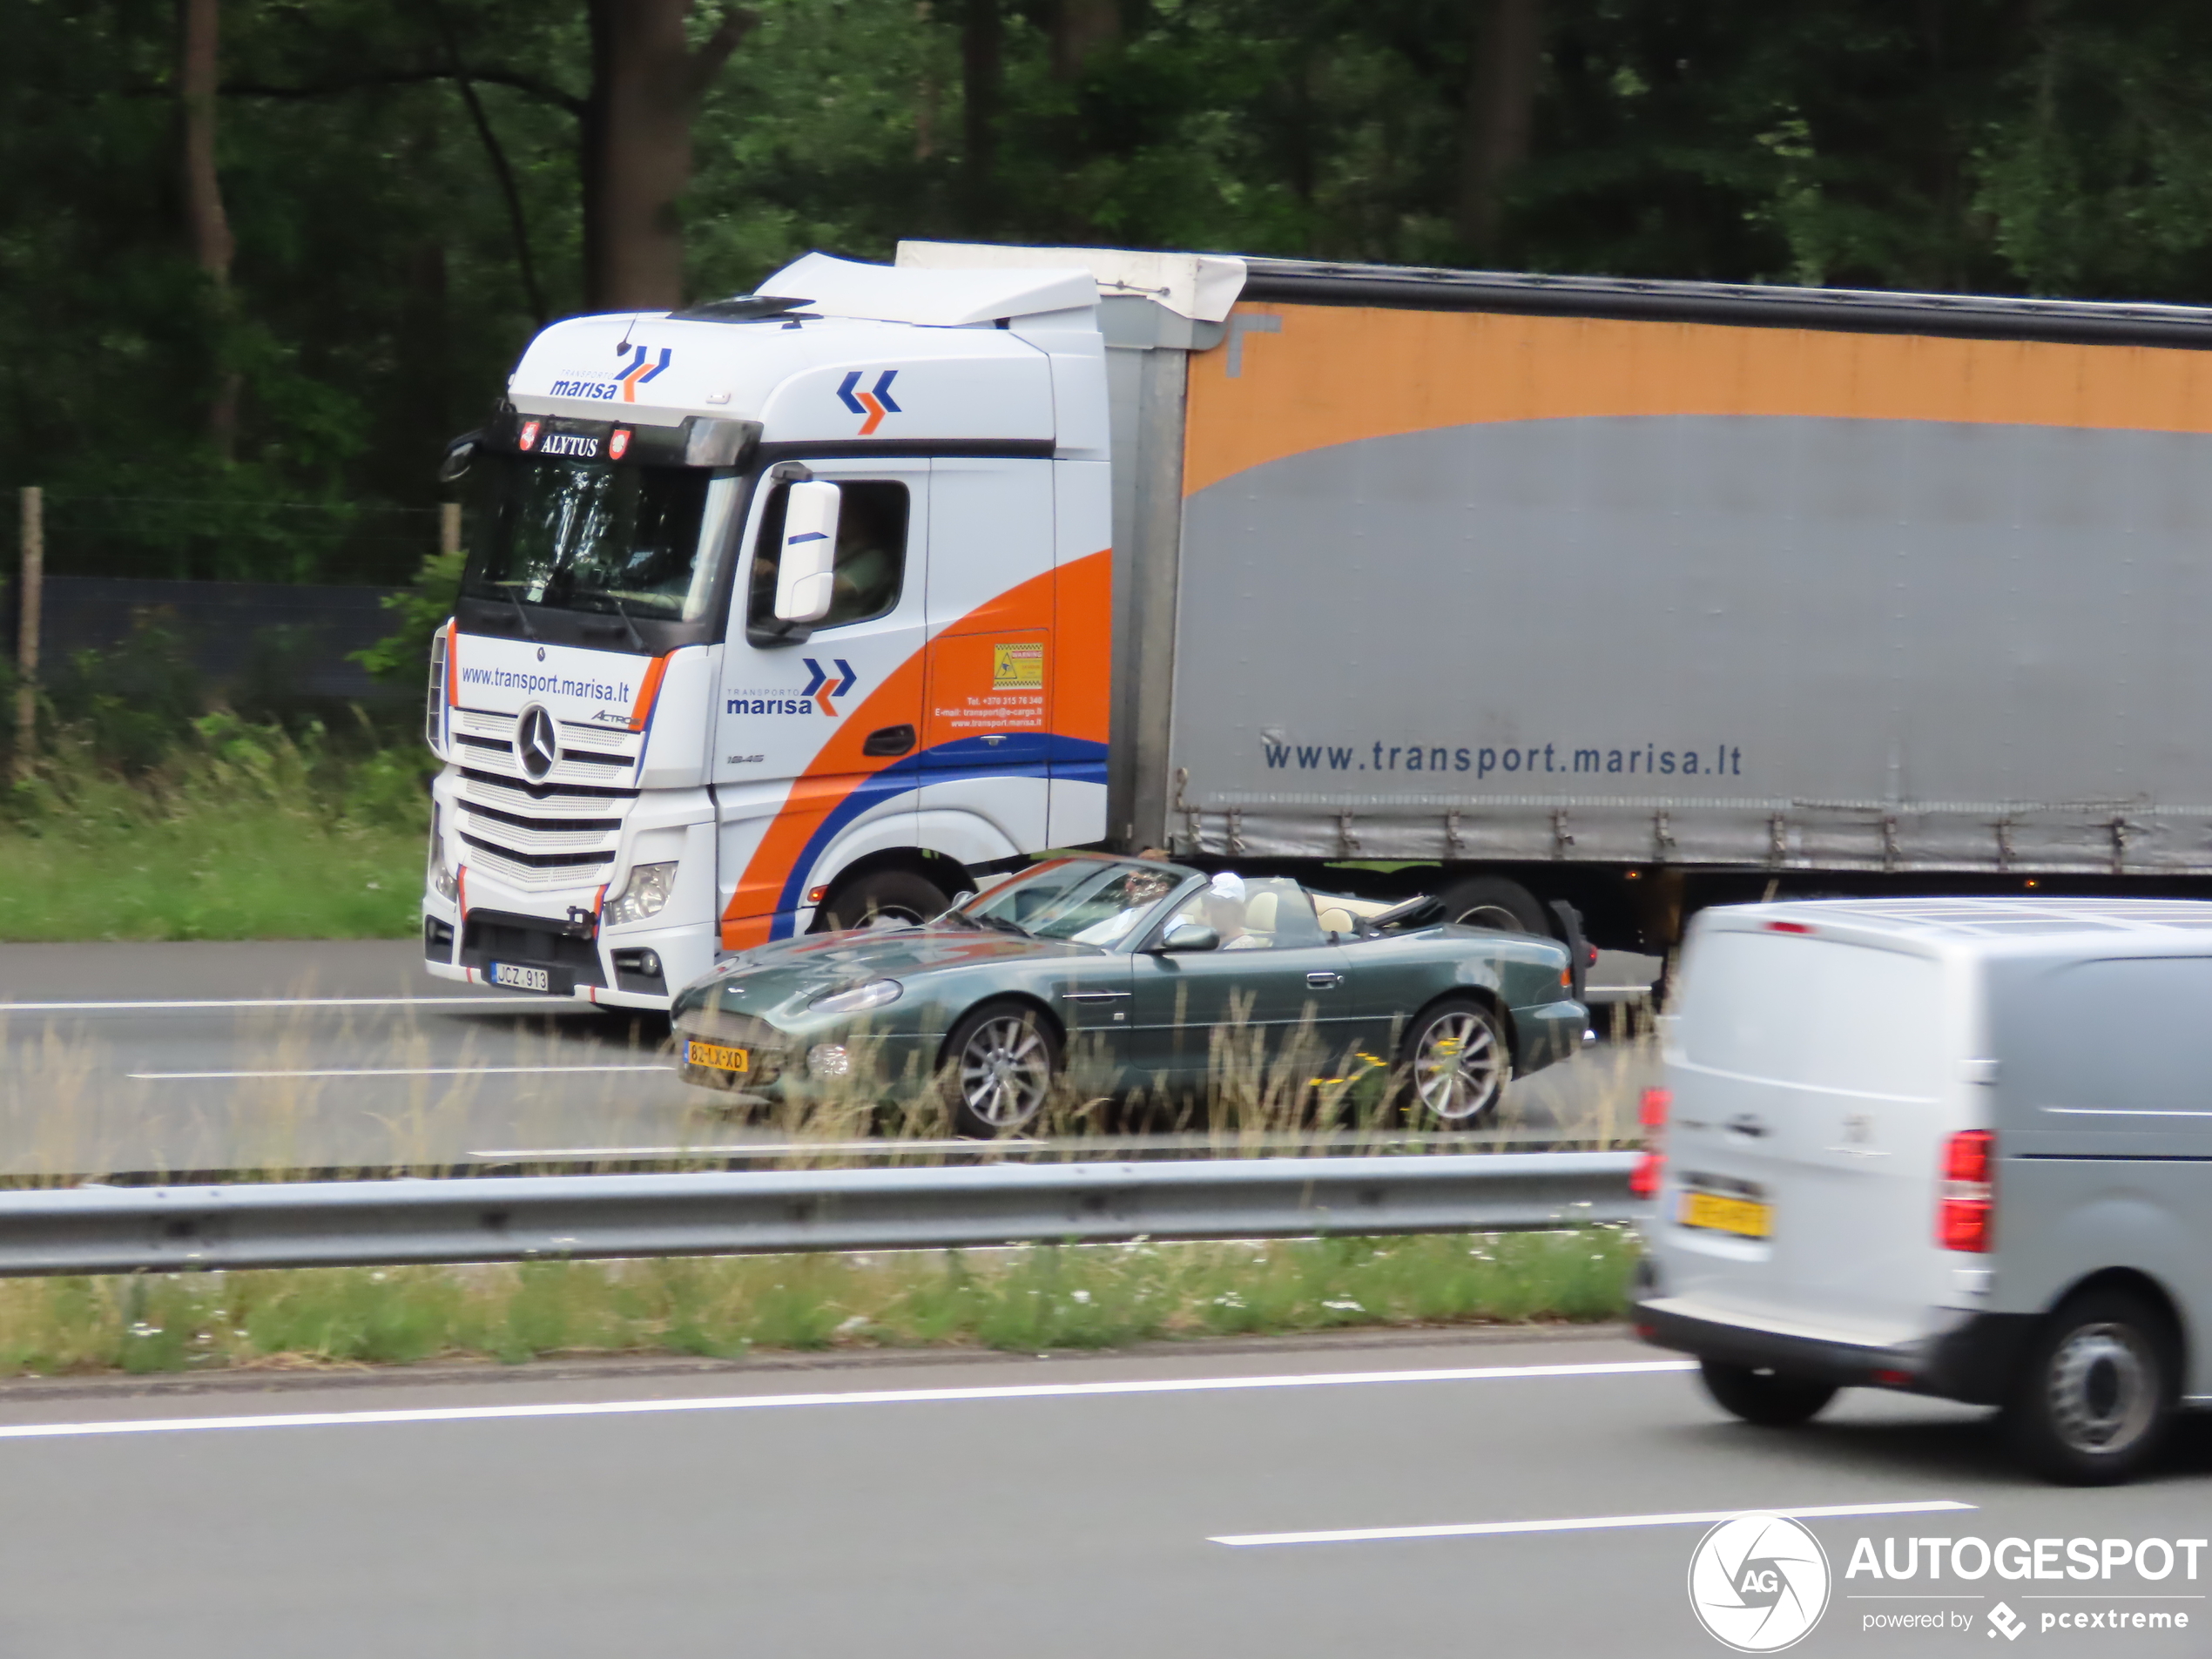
540 835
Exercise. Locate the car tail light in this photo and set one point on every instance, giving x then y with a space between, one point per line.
1969 1212
1643 1181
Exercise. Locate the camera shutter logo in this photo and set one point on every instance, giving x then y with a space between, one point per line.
537 745
1759 1584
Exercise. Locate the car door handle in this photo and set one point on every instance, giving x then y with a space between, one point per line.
1323 980
891 740
1745 1123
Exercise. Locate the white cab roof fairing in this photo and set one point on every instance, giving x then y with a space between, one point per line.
1201 286
935 298
948 383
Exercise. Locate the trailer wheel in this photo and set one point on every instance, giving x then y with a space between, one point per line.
2098 1391
881 895
1494 901
1763 1397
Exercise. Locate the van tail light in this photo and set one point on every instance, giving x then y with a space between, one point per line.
1969 1211
1644 1180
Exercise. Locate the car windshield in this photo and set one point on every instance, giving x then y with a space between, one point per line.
1089 903
592 536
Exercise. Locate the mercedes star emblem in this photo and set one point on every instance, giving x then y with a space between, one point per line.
536 743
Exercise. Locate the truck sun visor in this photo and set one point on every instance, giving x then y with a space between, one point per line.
701 441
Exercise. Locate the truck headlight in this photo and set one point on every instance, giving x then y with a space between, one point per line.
645 894
443 882
860 999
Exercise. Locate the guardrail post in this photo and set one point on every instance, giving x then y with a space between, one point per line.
34 582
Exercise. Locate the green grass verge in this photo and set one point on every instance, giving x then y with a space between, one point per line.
1020 1301
247 834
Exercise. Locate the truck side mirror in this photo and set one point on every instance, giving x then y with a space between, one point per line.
807 566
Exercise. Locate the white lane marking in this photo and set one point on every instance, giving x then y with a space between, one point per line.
886 1396
387 1071
283 1002
756 1149
1589 1523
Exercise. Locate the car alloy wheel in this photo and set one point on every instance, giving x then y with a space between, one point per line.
1000 1073
1458 1065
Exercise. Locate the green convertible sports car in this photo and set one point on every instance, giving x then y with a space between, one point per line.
1145 975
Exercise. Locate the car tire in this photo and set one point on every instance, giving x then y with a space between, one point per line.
1453 1064
1493 901
2097 1391
881 896
1000 1067
1767 1398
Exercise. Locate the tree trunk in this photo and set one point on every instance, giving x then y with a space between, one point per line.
1503 66
197 80
981 72
1080 30
646 84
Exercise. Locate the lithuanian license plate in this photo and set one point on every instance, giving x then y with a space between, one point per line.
717 1056
1720 1212
515 977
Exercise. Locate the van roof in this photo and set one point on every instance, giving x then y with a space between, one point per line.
2036 925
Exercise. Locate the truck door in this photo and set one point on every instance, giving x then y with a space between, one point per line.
987 728
818 727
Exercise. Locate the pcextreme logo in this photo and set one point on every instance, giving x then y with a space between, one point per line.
875 404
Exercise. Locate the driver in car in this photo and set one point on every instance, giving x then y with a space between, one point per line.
1225 901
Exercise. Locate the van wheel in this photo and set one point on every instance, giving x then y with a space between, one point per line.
1764 1397
1454 1064
1000 1063
881 896
2098 1391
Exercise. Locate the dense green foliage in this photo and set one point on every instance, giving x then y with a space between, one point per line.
379 291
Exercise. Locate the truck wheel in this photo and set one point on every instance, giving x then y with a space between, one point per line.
1763 1397
1492 901
999 1068
881 895
1455 1063
2097 1393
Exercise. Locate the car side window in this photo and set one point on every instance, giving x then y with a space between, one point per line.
871 554
1275 914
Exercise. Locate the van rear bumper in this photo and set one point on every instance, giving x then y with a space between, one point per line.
1974 1361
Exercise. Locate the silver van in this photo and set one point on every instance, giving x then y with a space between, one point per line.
1957 1146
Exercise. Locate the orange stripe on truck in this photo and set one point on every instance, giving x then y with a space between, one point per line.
642 710
1337 374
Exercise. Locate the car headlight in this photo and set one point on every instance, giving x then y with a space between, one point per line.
645 894
860 999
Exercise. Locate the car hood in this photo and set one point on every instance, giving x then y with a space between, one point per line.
774 975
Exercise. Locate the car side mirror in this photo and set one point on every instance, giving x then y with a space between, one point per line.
807 567
1188 936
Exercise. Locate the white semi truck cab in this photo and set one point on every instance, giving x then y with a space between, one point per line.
786 607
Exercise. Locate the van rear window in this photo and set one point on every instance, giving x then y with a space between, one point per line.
1813 1012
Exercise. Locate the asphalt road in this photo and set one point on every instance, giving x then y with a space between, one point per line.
135 1058
1073 1507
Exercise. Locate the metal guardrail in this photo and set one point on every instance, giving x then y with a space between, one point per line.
120 1230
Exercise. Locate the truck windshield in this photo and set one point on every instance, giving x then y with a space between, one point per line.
592 536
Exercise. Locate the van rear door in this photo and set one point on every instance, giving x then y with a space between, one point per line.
1810 1078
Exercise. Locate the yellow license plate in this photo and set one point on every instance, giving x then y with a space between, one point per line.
1746 1218
717 1056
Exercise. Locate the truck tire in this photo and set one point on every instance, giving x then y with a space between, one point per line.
1766 1398
2098 1389
1493 901
881 895
998 1071
1453 1066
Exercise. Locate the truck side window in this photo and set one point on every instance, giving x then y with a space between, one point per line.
871 554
